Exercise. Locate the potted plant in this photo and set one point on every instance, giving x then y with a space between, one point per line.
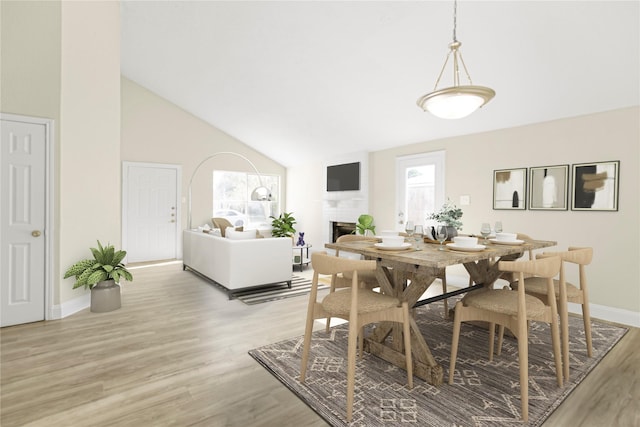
449 215
283 225
365 226
102 274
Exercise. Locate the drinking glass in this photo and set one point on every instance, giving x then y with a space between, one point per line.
441 235
409 228
498 227
485 230
418 233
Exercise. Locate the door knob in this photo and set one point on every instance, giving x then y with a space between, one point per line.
36 233
173 220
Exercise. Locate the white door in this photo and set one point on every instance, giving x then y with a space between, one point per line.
22 222
151 215
420 187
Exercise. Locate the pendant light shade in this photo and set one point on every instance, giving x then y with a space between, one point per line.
457 101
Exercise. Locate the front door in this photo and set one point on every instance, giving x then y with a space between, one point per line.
151 214
22 221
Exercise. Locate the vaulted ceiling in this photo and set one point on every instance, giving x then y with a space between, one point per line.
320 79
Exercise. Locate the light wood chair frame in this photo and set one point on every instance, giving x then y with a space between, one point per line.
517 324
581 256
345 281
330 265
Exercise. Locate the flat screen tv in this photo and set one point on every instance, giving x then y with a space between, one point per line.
344 177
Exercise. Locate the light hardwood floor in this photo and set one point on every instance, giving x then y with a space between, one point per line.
176 354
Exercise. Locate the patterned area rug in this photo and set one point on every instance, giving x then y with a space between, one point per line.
299 286
484 394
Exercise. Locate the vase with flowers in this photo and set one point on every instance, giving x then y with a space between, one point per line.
449 215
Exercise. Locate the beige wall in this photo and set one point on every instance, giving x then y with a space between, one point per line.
156 131
61 60
470 161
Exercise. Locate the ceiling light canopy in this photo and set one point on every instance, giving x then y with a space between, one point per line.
457 101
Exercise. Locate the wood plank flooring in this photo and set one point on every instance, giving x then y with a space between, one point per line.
176 354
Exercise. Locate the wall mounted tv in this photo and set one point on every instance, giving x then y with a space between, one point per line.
344 177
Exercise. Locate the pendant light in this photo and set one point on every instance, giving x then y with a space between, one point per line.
457 101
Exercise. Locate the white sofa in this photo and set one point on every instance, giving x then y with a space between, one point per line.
238 264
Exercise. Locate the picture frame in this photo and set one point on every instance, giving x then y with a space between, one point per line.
548 188
510 189
595 186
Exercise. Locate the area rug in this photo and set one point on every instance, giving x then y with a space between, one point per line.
299 286
484 393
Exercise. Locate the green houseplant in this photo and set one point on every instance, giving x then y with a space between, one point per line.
364 224
101 274
449 215
283 225
105 265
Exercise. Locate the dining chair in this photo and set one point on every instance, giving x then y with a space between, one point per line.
564 293
513 309
360 306
367 278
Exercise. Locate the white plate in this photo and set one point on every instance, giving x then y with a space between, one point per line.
384 247
507 242
476 248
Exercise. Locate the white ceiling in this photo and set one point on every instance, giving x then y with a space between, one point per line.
320 79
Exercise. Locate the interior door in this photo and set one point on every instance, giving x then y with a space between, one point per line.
420 187
151 212
22 222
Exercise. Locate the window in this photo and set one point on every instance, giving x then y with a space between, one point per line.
232 198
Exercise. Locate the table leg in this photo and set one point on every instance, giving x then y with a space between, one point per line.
425 365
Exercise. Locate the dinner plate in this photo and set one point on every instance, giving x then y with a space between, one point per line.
507 242
476 248
384 247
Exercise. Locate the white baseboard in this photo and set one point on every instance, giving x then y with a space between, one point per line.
609 314
70 307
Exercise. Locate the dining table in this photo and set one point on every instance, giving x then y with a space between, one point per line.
408 272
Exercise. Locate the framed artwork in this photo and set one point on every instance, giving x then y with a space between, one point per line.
548 188
595 186
509 189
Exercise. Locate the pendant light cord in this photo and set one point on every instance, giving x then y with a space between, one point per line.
455 16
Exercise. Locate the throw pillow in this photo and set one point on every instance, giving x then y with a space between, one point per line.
232 234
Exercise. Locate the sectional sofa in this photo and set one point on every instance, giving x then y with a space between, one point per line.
238 262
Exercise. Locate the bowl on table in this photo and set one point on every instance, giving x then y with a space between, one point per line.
392 241
388 233
506 237
465 241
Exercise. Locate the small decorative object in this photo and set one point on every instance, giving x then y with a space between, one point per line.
509 189
283 225
365 226
300 239
548 187
102 274
450 216
595 186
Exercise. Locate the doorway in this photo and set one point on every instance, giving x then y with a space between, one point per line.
26 177
151 212
420 187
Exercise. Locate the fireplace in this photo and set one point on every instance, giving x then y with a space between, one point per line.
339 228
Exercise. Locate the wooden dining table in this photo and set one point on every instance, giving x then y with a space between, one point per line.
408 273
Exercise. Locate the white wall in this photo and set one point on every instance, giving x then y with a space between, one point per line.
471 160
156 131
61 60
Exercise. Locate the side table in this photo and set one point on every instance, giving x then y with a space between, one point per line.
301 259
